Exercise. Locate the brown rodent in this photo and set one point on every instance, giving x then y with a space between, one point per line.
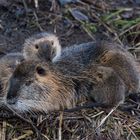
42 46
46 46
104 53
109 55
41 86
77 73
7 66
123 63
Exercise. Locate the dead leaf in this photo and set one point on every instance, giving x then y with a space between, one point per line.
78 15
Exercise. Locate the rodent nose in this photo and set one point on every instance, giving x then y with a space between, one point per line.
11 101
45 52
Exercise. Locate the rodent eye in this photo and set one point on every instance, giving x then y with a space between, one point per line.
36 46
41 71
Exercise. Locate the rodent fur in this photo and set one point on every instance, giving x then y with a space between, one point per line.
101 71
38 86
102 52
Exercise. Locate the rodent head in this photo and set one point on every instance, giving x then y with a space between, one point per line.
124 65
36 86
100 73
108 87
42 46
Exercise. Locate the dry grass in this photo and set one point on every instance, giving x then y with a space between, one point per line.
81 125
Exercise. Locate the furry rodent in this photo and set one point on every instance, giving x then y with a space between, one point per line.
44 46
103 52
123 63
40 86
101 71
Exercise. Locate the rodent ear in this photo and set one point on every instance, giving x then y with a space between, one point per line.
40 71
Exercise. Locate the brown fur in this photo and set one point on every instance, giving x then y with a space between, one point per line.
52 90
102 71
104 53
43 46
123 64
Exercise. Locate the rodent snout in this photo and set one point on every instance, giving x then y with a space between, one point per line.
12 101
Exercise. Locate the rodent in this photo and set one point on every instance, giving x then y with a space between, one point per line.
46 46
123 63
40 86
43 45
104 52
7 65
79 71
108 54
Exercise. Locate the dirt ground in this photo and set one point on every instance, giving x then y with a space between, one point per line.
16 25
74 23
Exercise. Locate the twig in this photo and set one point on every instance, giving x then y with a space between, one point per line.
24 119
89 34
45 136
38 25
101 112
108 28
105 118
60 126
36 4
132 132
3 135
28 133
122 33
25 6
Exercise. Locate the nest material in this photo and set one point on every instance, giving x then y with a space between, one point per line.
85 124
